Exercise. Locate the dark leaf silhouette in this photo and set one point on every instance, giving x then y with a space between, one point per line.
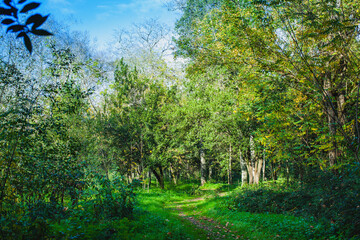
14 12
27 43
7 2
7 21
37 20
20 35
41 32
29 7
5 11
15 28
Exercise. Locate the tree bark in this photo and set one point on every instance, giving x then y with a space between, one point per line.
254 166
257 171
263 169
330 111
159 176
210 171
250 169
202 167
287 173
251 164
229 167
173 175
244 178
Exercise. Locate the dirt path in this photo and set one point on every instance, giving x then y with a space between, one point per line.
212 228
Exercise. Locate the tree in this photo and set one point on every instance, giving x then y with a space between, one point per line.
147 46
307 56
134 121
282 44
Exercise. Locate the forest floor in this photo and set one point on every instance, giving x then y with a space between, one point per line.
212 229
180 213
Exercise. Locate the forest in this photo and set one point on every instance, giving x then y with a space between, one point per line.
240 123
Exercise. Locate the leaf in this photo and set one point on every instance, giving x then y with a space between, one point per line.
37 20
27 43
22 1
5 11
7 21
14 12
15 28
41 32
21 35
29 7
7 2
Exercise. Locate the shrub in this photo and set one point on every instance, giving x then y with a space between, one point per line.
110 199
102 204
331 199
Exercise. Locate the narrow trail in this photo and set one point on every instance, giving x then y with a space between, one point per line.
187 210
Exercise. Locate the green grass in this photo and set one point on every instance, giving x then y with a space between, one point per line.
157 216
242 224
157 204
255 226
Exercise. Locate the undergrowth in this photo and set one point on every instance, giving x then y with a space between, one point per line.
332 200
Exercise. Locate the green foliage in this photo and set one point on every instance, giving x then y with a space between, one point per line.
109 203
110 199
329 199
270 85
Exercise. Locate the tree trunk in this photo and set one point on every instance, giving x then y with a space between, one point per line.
243 170
133 173
330 111
341 106
159 176
202 167
188 170
287 173
263 169
229 167
251 164
141 165
173 175
250 169
257 171
254 166
210 171
273 172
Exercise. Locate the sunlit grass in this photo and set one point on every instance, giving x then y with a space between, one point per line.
160 203
243 225
254 226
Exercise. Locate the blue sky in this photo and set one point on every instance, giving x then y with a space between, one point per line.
101 17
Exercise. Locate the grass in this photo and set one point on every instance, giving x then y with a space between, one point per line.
157 204
241 225
188 211
255 226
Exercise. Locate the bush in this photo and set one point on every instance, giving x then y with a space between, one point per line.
331 199
113 199
102 204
